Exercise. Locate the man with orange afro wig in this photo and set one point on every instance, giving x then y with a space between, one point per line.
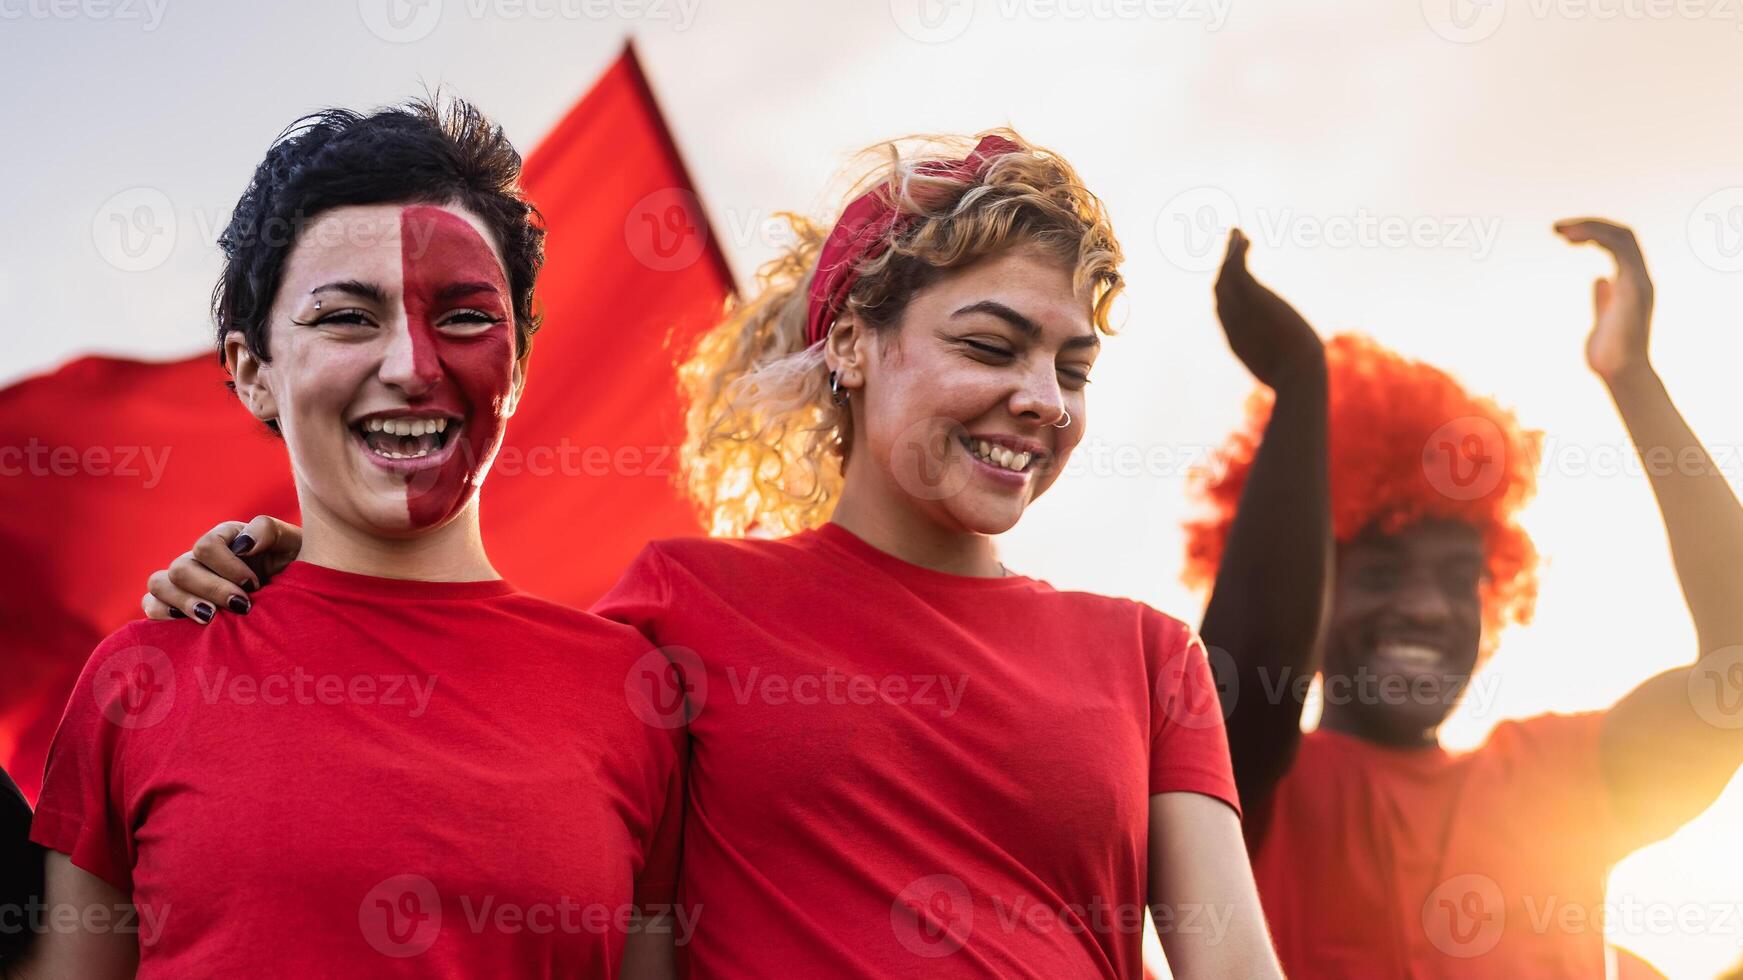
1388 563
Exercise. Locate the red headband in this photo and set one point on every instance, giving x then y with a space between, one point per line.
865 229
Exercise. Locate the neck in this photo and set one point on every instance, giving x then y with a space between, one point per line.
887 519
453 552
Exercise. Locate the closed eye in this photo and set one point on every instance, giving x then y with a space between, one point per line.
344 318
991 350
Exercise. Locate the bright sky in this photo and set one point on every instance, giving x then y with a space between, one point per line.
1397 163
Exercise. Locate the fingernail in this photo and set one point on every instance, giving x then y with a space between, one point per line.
243 544
239 605
204 612
175 613
250 585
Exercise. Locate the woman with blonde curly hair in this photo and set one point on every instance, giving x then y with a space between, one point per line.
906 759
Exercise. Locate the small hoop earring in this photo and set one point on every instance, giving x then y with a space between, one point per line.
836 395
1066 424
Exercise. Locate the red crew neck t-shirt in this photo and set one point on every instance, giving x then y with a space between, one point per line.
897 772
369 777
1429 864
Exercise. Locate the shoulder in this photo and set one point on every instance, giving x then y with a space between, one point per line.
1557 740
173 643
1159 631
700 552
557 623
718 562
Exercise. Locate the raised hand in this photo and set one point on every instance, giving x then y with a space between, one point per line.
224 565
1622 327
1265 332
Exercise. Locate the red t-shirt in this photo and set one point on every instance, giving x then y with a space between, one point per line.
898 772
1422 863
368 777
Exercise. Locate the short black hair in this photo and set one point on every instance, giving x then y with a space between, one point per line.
428 150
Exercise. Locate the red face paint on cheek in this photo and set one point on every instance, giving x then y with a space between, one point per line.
448 268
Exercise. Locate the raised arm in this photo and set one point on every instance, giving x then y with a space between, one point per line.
1670 745
224 565
1268 603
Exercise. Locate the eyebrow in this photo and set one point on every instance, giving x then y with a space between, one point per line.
454 291
1026 326
367 290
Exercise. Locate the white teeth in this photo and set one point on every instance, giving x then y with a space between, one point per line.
1411 653
406 427
1000 456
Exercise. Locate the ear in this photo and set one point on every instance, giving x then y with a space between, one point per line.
518 384
847 350
251 376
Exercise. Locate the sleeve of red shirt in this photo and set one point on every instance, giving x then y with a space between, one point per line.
1189 743
640 594
82 811
637 600
1559 758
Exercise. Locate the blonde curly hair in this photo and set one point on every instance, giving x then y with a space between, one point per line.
764 441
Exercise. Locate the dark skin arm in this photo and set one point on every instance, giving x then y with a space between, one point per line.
1268 604
1670 746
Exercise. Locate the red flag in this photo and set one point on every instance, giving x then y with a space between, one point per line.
111 467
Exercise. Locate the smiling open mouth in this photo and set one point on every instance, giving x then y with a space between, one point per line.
406 437
999 456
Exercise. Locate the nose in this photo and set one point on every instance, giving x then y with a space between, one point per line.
1038 397
410 363
1423 601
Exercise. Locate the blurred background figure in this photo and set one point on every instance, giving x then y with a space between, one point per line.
1378 852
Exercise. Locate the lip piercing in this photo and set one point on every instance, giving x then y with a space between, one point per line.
317 304
1066 423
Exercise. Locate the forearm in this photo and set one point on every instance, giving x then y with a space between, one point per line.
1702 518
1268 603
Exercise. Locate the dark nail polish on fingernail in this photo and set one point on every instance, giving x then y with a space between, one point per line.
242 544
250 585
177 614
204 612
239 605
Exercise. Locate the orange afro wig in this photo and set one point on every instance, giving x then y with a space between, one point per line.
1407 443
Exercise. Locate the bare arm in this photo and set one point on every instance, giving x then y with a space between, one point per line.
651 953
76 899
1268 604
1670 745
1202 894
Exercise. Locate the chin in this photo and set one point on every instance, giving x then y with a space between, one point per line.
987 518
